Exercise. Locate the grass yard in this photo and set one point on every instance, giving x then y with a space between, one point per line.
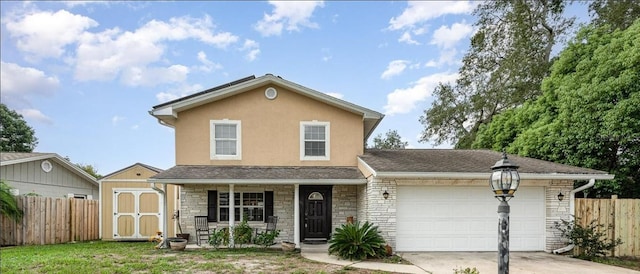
626 262
141 257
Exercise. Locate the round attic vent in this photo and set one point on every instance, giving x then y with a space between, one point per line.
271 93
46 166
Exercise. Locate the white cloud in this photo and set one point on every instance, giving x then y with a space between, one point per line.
46 34
207 65
335 94
34 114
406 38
289 15
115 120
252 48
151 76
404 100
19 84
178 92
447 37
326 54
418 12
447 57
105 55
394 68
135 127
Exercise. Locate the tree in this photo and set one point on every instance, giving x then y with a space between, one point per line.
589 113
391 140
8 204
509 56
90 169
15 134
618 14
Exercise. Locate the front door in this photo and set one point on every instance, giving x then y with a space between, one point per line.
316 212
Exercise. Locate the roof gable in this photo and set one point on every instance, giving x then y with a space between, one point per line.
12 158
148 167
168 112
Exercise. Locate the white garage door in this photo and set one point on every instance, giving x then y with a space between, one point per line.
444 218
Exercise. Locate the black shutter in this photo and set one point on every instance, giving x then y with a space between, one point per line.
268 204
212 206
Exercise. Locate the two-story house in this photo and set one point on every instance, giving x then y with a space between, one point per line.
263 146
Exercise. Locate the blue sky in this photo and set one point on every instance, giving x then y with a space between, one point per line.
85 74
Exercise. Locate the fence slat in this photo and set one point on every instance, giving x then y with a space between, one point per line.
620 216
51 220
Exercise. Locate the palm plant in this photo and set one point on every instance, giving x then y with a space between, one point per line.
355 242
8 204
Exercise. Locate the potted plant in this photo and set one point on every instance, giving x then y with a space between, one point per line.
176 217
177 243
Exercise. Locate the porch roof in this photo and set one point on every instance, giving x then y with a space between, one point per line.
204 174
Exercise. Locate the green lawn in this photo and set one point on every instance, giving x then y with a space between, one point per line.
122 257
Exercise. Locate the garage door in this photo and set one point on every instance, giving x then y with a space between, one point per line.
441 218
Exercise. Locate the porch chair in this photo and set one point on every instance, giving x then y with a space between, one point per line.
272 221
202 229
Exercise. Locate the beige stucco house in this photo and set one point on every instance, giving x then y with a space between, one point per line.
283 149
46 174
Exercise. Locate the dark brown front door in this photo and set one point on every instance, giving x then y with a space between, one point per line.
316 212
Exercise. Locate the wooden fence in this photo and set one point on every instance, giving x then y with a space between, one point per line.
621 216
51 221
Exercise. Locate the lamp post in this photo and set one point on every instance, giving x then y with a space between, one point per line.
504 182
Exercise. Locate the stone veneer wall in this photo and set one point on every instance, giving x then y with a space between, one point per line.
381 212
361 203
556 211
193 202
344 204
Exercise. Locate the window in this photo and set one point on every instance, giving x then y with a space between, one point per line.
314 140
255 205
226 140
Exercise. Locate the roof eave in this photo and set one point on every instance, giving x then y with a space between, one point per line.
483 175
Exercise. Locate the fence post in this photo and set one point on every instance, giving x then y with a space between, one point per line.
614 199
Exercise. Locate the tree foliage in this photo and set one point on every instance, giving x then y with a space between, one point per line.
8 204
509 56
617 14
391 140
589 113
15 134
90 169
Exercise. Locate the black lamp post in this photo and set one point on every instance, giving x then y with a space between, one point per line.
504 182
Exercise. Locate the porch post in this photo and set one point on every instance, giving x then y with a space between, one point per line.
232 215
296 215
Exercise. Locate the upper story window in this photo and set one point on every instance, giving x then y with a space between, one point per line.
226 140
314 140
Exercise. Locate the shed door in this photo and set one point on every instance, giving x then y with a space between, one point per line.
136 214
449 218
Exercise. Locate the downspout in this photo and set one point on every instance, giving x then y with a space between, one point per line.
572 201
164 213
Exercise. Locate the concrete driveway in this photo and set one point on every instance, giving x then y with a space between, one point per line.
520 262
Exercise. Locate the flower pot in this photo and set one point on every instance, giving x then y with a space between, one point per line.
288 246
177 244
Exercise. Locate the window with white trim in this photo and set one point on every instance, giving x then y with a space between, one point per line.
251 204
314 140
226 140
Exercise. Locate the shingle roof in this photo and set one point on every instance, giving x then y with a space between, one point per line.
201 172
460 161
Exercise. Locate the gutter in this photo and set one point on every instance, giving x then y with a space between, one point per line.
163 193
572 201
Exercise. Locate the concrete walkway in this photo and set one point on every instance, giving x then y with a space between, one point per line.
319 252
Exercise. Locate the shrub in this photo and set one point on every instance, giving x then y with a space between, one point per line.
266 238
354 242
242 233
218 237
591 240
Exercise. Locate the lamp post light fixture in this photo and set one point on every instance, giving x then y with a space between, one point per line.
504 182
560 196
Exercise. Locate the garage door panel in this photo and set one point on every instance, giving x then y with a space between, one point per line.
441 218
